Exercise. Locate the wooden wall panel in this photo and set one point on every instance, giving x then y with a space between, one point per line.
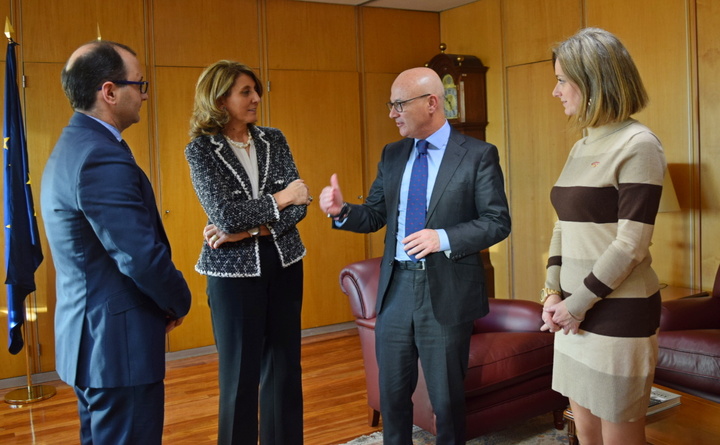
52 30
311 36
6 11
380 131
664 64
395 40
708 53
182 214
47 112
476 29
539 145
321 147
215 30
531 27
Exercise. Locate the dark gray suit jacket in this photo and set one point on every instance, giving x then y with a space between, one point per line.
116 283
468 201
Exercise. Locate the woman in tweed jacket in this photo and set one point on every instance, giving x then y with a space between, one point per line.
248 184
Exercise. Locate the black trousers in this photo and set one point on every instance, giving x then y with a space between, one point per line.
405 330
256 323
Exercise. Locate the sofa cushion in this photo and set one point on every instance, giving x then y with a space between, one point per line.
690 359
500 359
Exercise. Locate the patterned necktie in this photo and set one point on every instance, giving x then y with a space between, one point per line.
416 207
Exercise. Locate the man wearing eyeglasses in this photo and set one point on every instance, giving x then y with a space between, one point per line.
118 291
441 196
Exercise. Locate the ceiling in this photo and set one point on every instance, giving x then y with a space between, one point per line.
415 5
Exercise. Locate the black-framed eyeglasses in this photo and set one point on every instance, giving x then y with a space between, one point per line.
143 84
398 104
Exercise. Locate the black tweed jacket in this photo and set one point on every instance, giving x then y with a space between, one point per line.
225 193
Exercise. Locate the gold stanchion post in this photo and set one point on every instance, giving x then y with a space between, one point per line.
30 393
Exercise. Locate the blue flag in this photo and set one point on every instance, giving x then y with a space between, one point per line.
23 253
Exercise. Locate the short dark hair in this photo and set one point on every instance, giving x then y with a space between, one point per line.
88 72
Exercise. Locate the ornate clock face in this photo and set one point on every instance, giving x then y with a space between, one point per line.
451 99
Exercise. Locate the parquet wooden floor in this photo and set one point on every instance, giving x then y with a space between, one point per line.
333 388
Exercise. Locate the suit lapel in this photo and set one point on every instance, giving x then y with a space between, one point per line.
395 175
454 154
262 149
221 149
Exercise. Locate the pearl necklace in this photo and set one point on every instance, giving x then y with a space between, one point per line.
240 145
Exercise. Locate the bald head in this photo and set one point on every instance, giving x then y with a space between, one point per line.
80 52
421 79
421 92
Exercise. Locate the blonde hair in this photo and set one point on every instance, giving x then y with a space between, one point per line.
600 65
215 82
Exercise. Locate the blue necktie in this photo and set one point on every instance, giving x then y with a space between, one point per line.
416 207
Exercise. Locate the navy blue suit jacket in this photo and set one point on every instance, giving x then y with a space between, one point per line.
468 201
116 283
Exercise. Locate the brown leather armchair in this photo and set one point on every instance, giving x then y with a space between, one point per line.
510 366
689 340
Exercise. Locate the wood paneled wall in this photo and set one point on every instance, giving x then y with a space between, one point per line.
706 203
535 138
326 94
475 29
664 59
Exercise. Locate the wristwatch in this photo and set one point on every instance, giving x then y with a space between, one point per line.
344 212
254 232
546 292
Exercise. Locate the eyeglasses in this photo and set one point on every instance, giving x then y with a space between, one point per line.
398 104
143 84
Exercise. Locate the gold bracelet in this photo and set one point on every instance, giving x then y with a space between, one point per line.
546 292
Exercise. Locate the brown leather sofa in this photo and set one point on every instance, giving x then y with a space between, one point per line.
510 365
689 340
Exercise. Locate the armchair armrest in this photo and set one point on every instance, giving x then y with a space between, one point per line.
510 315
359 281
690 313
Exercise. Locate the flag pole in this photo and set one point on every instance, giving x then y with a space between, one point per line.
30 393
19 397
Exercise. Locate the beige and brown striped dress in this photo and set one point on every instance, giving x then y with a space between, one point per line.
606 200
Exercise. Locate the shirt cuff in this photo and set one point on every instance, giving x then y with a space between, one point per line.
444 240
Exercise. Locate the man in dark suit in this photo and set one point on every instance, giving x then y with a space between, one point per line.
432 283
118 292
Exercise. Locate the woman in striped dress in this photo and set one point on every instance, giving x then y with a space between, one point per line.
601 295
